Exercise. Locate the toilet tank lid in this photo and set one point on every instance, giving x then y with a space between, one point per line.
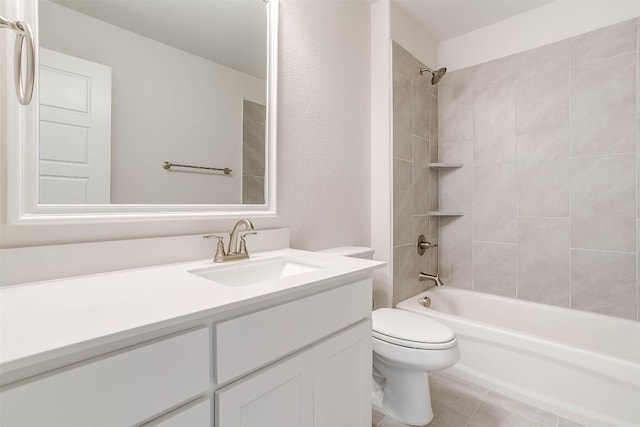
350 251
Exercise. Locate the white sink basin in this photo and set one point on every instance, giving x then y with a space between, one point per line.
259 271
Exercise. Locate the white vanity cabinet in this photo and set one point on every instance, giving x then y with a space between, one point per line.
326 385
119 389
303 362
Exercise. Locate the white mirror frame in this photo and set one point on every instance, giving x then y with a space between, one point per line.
22 152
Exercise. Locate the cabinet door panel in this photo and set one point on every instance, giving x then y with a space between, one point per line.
278 396
117 390
342 387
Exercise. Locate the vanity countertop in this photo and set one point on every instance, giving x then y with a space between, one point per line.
43 320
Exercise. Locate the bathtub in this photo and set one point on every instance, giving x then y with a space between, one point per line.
582 366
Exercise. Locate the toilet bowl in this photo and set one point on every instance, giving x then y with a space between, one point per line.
406 346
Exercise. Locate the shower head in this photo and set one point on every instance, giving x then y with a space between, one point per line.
436 75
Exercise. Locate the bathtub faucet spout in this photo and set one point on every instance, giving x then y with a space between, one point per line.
426 276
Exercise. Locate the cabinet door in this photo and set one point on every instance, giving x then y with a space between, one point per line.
280 395
342 386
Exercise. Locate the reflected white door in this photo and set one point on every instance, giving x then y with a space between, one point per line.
75 130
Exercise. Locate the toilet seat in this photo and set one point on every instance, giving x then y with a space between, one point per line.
411 330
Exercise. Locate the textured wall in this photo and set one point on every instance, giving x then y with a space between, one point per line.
548 187
323 124
415 188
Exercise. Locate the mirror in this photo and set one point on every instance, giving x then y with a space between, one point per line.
164 100
152 102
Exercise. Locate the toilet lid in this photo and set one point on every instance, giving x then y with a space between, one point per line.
410 329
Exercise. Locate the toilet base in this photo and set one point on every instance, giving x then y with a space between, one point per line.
403 395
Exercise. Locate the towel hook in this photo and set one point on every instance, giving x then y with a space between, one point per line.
24 89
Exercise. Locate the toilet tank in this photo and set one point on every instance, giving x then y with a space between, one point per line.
351 251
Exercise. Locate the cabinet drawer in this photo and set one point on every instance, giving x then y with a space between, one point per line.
252 341
116 390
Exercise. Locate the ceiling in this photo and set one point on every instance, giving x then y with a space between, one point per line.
445 19
229 32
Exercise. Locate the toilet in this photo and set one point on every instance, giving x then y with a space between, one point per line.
406 346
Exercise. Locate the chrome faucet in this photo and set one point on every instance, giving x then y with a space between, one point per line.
235 250
426 276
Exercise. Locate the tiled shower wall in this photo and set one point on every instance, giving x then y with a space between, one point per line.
415 187
253 152
549 183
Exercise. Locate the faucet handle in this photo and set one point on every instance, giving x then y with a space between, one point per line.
220 253
243 243
211 236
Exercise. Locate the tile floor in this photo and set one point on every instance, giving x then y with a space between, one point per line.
458 403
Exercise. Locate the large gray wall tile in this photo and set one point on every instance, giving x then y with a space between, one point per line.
253 190
455 114
543 102
543 173
402 202
456 185
403 62
254 112
603 106
253 148
402 117
603 205
455 255
606 42
494 268
495 202
544 62
604 282
433 122
493 73
421 104
422 262
420 175
405 279
543 260
494 124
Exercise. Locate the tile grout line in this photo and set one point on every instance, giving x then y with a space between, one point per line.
584 64
636 162
569 249
517 141
475 411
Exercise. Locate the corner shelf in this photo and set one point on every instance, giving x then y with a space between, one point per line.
444 165
445 213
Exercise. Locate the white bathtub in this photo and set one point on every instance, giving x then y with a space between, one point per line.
582 366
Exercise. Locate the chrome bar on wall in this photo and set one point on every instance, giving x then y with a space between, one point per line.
169 165
24 90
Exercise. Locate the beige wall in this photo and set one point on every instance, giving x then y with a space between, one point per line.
323 139
548 188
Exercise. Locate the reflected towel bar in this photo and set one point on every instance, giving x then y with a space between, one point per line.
168 165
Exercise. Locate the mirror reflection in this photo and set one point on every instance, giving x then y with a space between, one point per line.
128 85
